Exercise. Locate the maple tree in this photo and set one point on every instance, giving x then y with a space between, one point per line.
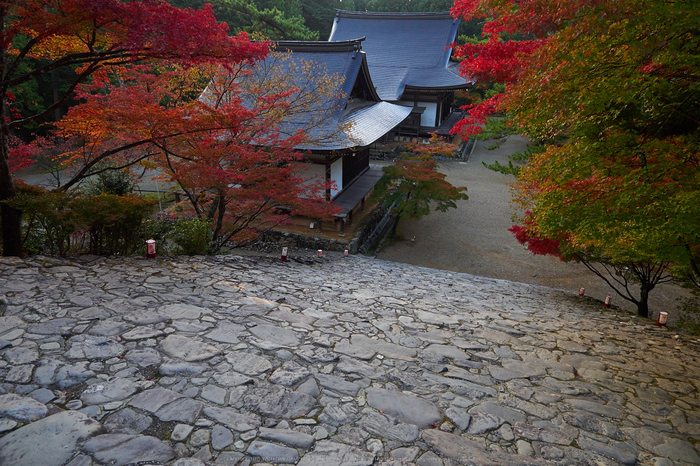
40 37
612 86
413 183
229 147
244 173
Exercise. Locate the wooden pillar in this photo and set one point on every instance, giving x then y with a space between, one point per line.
328 180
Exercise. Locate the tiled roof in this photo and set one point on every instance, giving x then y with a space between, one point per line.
363 125
345 123
404 50
342 58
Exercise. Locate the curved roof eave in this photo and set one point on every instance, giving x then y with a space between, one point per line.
364 125
457 87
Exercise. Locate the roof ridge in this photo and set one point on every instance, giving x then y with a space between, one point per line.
393 15
352 45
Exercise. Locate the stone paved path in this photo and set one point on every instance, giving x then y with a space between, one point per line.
231 360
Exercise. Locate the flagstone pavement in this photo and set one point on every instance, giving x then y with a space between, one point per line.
232 360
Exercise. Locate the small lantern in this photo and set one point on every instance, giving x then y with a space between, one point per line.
608 300
320 253
151 248
345 254
581 291
663 317
284 253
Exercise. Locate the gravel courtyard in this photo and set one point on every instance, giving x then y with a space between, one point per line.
474 238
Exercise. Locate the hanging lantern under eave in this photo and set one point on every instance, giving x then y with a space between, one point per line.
284 253
608 301
581 291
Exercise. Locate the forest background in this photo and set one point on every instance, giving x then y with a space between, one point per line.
268 19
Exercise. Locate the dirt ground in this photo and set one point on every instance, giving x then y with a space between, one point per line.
474 238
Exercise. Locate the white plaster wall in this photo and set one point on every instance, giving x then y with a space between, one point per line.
337 176
428 116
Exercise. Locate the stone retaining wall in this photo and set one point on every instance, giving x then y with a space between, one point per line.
275 240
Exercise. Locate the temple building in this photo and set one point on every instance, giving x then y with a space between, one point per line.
409 58
340 126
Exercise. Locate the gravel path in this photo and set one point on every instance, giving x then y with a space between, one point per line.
474 238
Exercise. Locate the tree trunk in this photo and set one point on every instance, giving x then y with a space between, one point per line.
11 233
10 218
216 235
396 224
643 304
54 88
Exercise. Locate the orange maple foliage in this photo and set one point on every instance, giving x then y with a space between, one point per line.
42 36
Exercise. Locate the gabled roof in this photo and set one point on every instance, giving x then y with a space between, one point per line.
356 116
404 50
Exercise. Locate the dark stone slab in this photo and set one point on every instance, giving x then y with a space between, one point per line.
121 450
469 453
21 408
380 425
409 408
287 437
271 453
232 418
86 347
622 452
49 441
337 454
127 421
53 327
279 402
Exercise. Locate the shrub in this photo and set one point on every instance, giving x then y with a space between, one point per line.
68 223
113 223
116 182
50 225
193 236
690 313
